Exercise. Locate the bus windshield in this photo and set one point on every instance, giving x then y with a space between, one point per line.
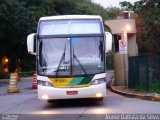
71 56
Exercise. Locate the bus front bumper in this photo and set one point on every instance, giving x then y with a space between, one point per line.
51 93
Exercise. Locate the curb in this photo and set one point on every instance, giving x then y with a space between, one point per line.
130 94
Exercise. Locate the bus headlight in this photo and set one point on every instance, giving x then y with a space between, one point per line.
98 81
44 83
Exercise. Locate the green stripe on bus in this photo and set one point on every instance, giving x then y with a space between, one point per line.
75 81
80 81
86 80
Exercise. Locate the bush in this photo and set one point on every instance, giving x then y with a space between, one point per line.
26 74
110 61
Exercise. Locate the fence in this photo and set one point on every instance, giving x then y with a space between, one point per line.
144 71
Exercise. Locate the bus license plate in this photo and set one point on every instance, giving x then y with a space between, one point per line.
71 92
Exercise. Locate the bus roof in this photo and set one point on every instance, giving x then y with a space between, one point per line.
71 17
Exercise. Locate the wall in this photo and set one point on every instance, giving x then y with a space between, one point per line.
127 29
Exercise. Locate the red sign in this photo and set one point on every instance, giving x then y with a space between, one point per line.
71 92
122 43
123 46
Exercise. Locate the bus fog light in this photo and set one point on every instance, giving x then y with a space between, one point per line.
99 95
45 97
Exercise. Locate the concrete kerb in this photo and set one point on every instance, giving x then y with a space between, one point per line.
137 95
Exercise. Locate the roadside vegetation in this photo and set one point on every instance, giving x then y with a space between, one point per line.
154 88
147 15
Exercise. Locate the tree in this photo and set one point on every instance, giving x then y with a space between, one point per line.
126 5
113 12
148 24
149 13
65 7
16 22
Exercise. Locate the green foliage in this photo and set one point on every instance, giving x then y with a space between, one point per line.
148 24
28 63
110 61
15 22
113 12
26 74
82 7
65 7
141 88
126 5
18 18
6 76
153 88
150 31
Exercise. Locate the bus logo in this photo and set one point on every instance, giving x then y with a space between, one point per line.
60 80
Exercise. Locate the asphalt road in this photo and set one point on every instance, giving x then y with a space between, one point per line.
27 104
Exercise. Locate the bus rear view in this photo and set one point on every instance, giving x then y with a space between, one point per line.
70 52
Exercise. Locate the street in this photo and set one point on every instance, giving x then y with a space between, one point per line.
26 102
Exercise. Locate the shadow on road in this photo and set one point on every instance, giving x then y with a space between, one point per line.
74 103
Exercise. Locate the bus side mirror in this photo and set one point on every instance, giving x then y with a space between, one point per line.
108 42
31 43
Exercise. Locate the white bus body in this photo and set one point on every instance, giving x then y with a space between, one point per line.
70 52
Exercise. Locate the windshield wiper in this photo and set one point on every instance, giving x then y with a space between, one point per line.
74 56
80 64
61 60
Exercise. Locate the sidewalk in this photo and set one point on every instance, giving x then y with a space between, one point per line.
132 93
